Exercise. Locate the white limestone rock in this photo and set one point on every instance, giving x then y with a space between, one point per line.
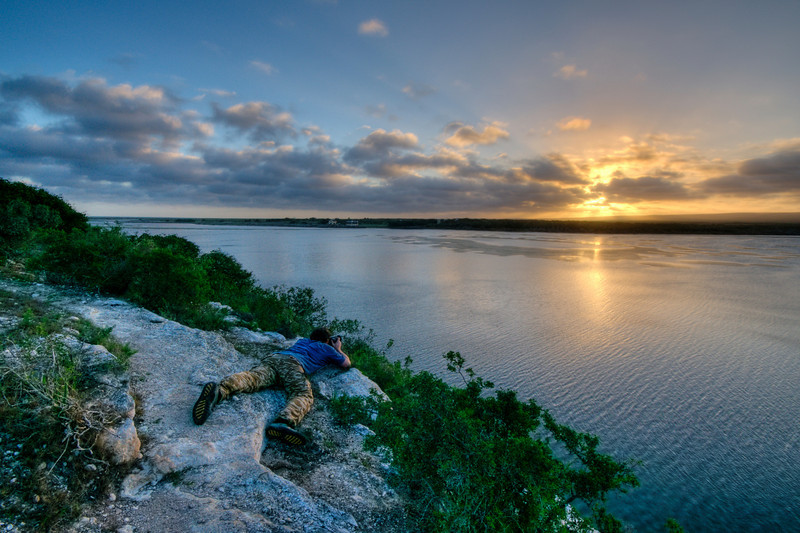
353 382
120 444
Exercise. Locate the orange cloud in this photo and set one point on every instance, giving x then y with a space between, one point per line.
568 72
574 124
373 27
468 135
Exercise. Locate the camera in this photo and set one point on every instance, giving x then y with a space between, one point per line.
334 338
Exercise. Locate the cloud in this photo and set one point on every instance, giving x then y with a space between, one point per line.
414 165
446 180
635 152
220 93
36 144
271 168
776 173
554 168
446 195
259 120
373 27
415 91
465 135
379 144
136 114
8 114
574 124
781 165
570 72
125 144
109 144
644 189
266 68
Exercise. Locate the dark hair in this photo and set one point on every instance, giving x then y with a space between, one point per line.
321 335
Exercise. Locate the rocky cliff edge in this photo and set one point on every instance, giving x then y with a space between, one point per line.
224 476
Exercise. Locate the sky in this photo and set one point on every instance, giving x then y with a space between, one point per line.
502 109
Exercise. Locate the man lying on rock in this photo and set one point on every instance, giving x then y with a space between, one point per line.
288 368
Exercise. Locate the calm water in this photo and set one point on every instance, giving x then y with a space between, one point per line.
682 352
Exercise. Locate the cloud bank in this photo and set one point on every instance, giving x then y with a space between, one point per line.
120 144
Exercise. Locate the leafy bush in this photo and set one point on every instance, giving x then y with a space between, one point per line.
468 461
229 282
167 282
305 311
164 273
167 275
68 218
98 259
24 210
391 376
173 243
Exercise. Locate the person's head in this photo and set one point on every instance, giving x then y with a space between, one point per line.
321 335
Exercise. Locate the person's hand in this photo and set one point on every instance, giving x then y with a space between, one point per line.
337 343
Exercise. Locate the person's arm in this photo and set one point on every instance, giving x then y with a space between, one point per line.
337 345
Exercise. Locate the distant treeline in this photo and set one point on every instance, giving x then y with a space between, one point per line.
600 226
485 224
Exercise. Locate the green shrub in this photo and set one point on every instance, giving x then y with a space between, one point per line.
229 282
166 274
173 243
673 526
167 283
290 312
98 259
59 214
91 334
25 210
306 311
349 410
391 376
468 461
202 317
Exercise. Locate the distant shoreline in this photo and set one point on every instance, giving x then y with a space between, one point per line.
709 226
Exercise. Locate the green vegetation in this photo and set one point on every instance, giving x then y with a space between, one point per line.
26 210
46 430
166 274
465 459
469 461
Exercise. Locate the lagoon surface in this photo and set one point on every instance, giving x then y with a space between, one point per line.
681 352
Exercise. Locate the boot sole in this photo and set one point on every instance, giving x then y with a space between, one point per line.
286 434
205 404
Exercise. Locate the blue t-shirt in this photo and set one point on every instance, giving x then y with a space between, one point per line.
313 355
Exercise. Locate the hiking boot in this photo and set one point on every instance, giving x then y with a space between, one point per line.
282 432
208 399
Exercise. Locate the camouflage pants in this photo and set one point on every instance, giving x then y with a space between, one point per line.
280 370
